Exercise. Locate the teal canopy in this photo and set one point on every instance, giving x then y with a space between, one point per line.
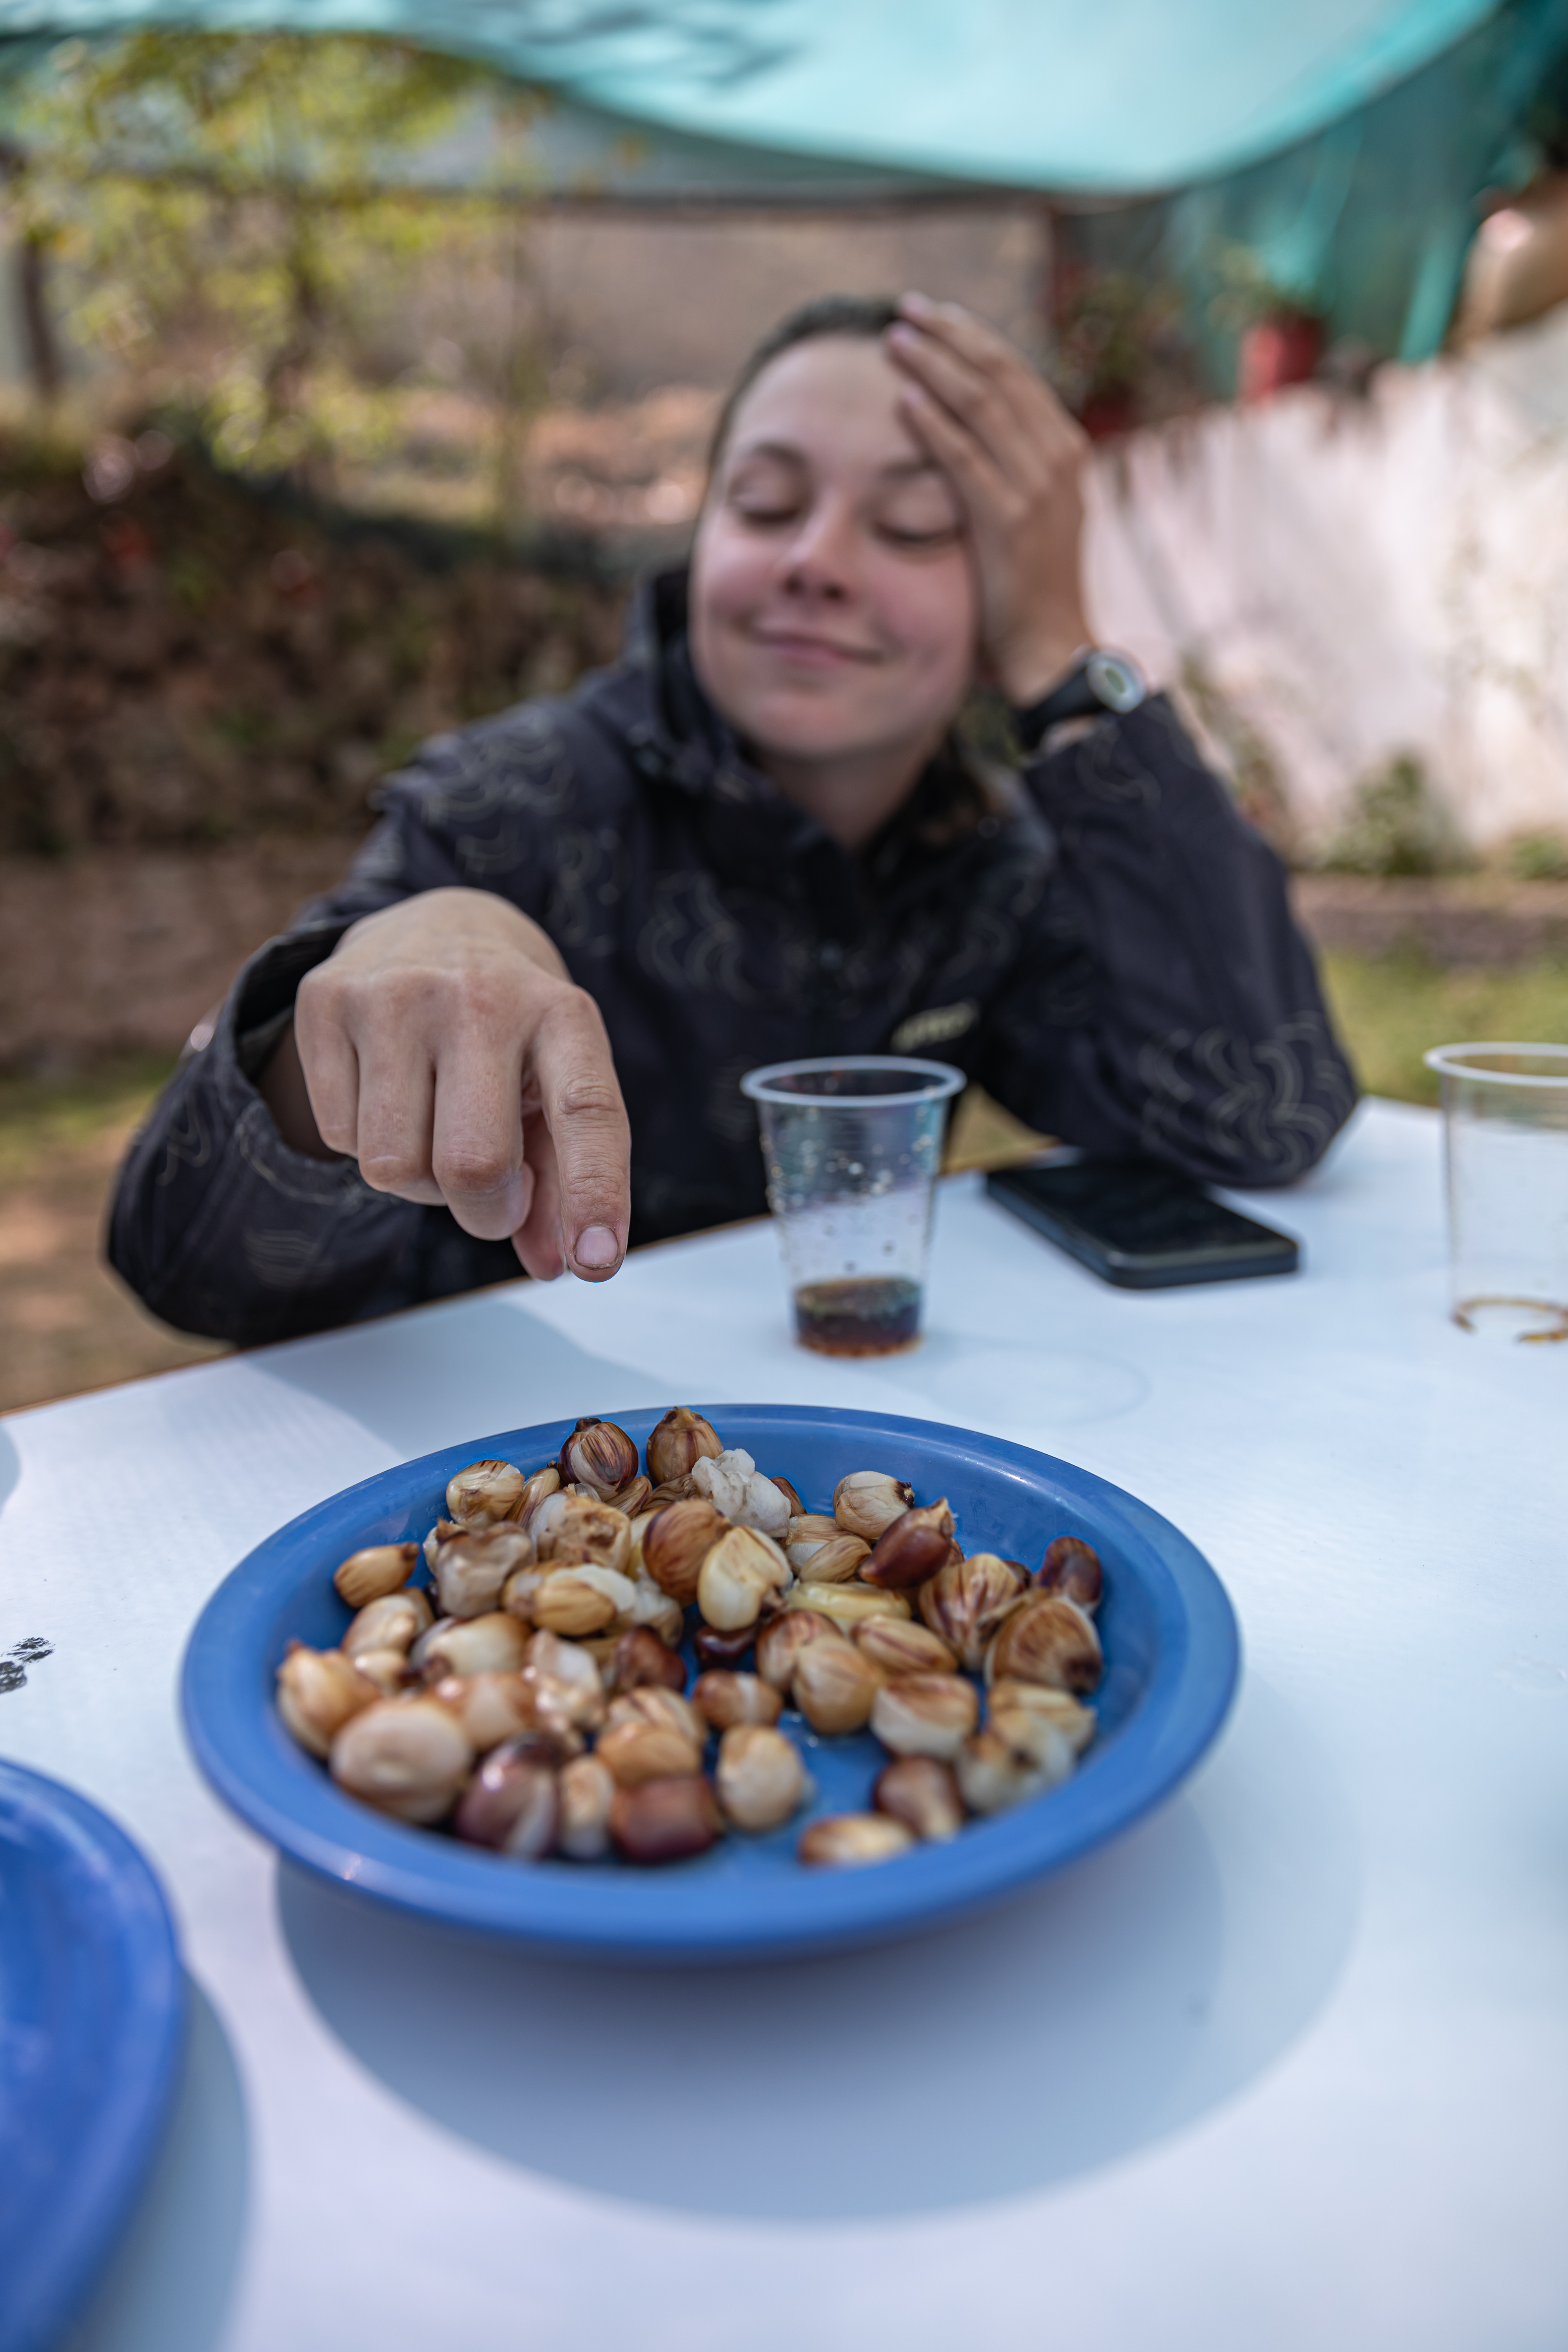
1125 97
1331 151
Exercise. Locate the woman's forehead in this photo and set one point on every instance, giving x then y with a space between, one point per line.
833 400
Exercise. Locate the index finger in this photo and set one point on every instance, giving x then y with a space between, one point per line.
970 337
573 1074
989 352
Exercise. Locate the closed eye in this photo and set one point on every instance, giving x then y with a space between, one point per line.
941 535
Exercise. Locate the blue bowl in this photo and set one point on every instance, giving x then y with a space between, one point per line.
1171 1651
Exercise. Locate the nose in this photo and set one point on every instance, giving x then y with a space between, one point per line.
820 559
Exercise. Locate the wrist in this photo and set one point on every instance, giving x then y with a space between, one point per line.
1028 670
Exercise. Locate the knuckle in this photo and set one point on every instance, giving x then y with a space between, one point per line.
587 1096
474 1168
391 1171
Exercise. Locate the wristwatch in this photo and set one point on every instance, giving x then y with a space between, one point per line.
1099 680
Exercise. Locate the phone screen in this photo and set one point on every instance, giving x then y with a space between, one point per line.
1141 1225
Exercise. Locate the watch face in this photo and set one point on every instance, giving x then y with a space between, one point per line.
1117 680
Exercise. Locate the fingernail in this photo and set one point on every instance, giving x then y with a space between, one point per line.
596 1246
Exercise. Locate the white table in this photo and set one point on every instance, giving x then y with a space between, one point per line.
1286 2068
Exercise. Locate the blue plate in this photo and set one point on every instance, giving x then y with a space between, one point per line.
91 2017
1170 1667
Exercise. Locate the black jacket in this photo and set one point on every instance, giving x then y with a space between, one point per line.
1100 940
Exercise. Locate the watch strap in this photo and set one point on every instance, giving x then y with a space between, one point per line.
1098 682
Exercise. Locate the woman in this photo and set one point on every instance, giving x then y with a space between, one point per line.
515 1030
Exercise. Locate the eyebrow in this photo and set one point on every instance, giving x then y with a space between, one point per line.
901 470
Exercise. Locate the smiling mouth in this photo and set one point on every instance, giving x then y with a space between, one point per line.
813 653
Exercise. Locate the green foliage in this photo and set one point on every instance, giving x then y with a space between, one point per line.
1106 325
1390 1009
1538 857
1396 825
223 212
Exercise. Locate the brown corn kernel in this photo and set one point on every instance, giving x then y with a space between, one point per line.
510 1804
867 1502
492 1706
396 1621
471 1568
485 1493
1068 1714
911 1550
737 1578
834 1686
925 1714
574 1530
679 1442
677 1540
471 1646
847 1605
378 1570
723 1699
998 1768
780 1644
407 1757
1072 1566
966 1601
317 1690
636 1752
899 1646
599 1454
848 1841
835 1561
1048 1639
665 1821
585 1791
760 1776
580 1600
641 1657
922 1792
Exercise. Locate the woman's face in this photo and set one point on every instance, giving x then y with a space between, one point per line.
833 608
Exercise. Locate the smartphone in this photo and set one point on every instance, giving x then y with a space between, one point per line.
1141 1225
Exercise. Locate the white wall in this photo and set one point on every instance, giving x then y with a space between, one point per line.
1364 578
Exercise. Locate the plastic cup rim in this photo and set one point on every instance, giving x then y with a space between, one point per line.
759 1085
1447 1063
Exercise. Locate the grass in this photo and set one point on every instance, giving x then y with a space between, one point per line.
42 1119
1390 1009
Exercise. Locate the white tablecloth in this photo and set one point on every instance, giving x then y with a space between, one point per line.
1285 2068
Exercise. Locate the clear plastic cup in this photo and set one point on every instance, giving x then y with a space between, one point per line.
852 1148
1505 1114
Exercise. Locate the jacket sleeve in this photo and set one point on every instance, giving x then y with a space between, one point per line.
216 1223
222 1229
1164 1000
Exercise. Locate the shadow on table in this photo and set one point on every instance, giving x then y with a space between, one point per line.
169 2285
476 1366
10 1466
1005 1384
1100 2013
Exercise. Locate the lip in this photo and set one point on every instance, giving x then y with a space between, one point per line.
808 652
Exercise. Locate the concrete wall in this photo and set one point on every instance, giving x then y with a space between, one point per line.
664 301
1366 578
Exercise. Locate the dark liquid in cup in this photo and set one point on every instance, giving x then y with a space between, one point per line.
856 1317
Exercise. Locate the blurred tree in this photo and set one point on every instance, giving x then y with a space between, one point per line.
219 212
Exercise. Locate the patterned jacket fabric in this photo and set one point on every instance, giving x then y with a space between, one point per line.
1098 940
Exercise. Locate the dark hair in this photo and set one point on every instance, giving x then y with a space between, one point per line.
865 316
